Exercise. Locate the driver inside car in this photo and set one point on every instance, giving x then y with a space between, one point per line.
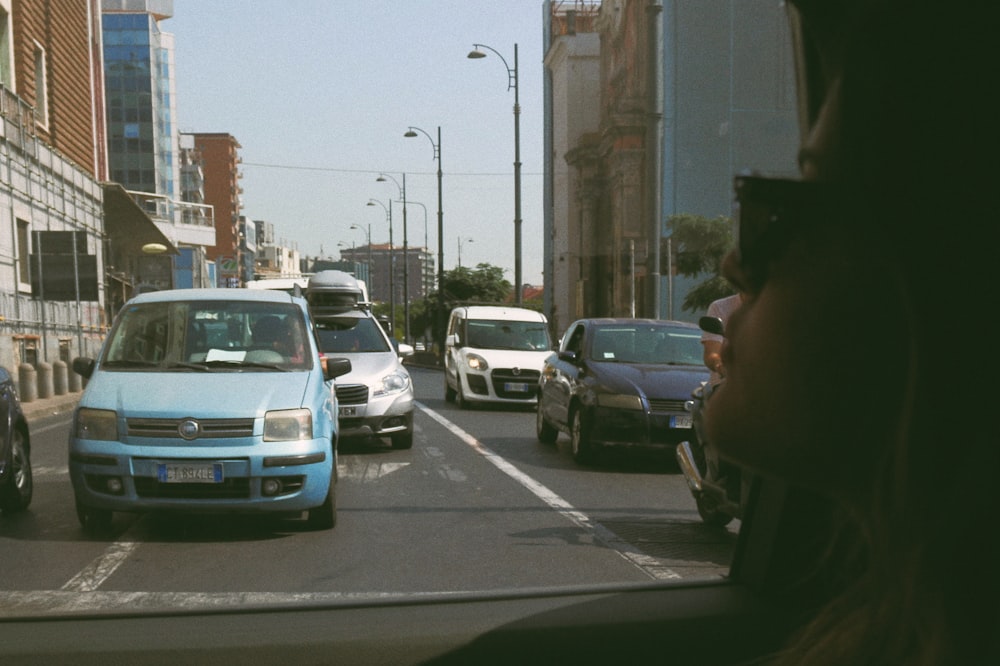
839 377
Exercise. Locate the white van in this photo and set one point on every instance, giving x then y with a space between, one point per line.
494 354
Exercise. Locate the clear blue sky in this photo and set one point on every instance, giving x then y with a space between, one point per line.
320 92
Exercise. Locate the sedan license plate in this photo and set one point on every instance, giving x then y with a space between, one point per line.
680 421
516 387
348 411
189 472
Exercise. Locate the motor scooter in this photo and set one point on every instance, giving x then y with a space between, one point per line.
719 487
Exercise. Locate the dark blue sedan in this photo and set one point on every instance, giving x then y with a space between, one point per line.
620 383
15 450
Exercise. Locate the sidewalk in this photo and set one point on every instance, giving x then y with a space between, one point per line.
57 404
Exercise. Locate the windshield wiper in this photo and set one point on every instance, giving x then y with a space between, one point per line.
221 363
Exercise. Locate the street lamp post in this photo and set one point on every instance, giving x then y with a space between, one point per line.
392 267
511 83
406 255
412 132
368 235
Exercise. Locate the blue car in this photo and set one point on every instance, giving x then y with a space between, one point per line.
620 384
15 450
207 400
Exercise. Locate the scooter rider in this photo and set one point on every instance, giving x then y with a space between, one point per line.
712 342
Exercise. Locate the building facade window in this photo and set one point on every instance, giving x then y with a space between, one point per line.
6 48
23 255
41 88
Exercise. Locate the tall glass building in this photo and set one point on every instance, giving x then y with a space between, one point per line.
139 85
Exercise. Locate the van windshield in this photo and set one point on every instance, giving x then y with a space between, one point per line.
505 334
178 335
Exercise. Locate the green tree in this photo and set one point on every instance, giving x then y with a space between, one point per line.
485 284
699 244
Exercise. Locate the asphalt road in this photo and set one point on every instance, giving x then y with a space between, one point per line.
477 504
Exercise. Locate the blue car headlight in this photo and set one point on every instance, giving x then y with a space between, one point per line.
287 425
619 401
97 424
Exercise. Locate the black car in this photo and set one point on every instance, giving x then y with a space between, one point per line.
620 383
15 450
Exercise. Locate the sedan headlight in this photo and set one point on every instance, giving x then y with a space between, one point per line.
98 424
476 362
394 382
288 425
619 401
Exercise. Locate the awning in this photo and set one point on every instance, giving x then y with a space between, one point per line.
128 225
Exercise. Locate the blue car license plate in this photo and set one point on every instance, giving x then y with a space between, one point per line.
680 421
189 472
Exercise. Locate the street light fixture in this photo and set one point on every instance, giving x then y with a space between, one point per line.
476 54
406 255
392 261
460 241
412 132
368 235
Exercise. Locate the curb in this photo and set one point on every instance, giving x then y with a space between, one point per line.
59 404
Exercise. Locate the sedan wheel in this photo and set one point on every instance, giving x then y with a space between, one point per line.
547 433
580 435
16 493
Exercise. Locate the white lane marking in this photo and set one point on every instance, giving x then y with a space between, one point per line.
362 470
651 566
98 571
49 470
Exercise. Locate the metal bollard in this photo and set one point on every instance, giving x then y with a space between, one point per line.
27 381
60 377
44 380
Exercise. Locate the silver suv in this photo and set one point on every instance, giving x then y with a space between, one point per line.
376 397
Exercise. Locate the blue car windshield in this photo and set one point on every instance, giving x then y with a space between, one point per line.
646 343
208 335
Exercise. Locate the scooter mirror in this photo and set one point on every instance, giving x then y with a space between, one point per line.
711 325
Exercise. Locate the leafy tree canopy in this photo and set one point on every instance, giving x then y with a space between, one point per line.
699 244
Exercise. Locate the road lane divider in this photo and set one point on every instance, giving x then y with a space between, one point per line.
651 566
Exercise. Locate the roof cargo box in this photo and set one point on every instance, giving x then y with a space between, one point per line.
329 292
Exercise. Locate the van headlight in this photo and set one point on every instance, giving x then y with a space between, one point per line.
97 424
394 382
476 362
287 425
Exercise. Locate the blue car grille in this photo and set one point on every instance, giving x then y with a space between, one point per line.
168 428
666 405
237 488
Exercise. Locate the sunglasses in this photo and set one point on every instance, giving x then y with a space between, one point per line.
770 212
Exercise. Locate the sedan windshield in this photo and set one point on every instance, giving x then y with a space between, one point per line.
647 343
200 335
344 335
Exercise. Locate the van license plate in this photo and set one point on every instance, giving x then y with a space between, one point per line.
681 421
516 387
189 472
